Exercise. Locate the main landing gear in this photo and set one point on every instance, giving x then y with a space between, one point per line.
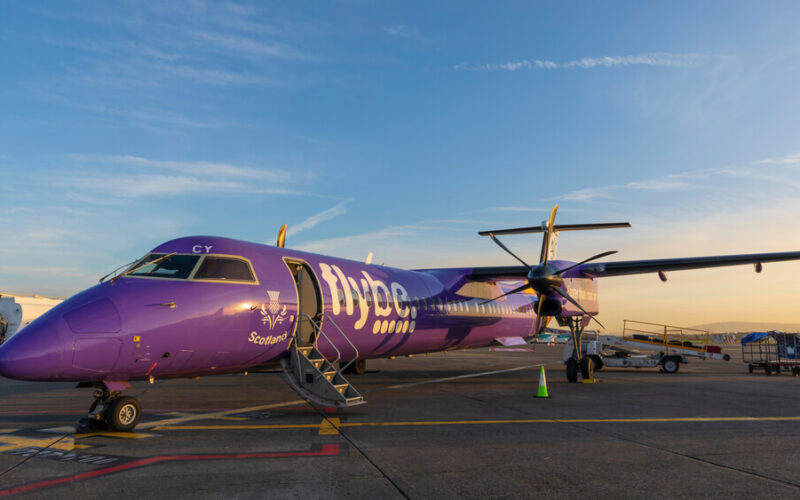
111 411
357 367
578 362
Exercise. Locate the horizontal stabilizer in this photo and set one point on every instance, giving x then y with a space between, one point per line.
557 228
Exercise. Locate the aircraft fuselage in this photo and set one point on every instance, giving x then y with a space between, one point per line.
136 327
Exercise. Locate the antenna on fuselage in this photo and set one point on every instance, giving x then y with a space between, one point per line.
282 236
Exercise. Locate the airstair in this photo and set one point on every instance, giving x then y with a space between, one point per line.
316 378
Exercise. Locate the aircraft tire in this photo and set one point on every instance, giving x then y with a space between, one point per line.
123 414
587 368
598 363
572 370
671 364
359 367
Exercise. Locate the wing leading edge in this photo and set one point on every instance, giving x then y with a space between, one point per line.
622 268
681 264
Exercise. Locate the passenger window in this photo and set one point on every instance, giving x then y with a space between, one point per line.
224 268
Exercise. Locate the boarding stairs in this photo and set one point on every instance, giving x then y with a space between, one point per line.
316 378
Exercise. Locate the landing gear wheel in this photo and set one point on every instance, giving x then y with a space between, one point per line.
587 368
572 370
123 414
671 365
598 363
359 367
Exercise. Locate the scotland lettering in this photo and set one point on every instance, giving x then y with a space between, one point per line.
273 339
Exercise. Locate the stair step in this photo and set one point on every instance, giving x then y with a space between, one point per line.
341 387
355 400
317 363
329 376
305 351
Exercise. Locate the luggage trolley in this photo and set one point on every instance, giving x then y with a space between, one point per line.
772 351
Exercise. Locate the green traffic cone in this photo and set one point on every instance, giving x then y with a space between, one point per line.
542 393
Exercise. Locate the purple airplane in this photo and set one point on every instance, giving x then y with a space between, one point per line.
204 305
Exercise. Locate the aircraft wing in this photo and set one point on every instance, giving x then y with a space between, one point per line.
621 268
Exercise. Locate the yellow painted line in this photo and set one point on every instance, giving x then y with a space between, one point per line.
215 415
16 442
125 435
329 426
333 424
234 427
183 414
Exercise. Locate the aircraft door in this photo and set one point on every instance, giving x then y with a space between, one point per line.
309 299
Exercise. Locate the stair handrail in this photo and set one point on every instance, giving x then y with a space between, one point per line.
331 321
316 338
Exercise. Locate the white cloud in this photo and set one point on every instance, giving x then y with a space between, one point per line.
205 168
315 219
151 185
660 184
792 159
651 59
213 76
404 31
516 209
587 194
248 46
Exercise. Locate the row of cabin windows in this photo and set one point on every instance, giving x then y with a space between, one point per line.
437 304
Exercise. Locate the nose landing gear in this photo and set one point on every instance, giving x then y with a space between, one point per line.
111 411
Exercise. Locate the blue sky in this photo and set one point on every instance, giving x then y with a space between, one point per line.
402 128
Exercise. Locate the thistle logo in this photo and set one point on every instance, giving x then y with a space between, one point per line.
271 311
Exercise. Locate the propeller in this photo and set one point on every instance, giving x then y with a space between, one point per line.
545 278
281 237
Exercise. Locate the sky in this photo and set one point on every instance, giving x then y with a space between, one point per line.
403 128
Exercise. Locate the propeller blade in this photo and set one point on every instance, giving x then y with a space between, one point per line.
518 289
539 325
547 234
281 237
509 251
598 256
564 294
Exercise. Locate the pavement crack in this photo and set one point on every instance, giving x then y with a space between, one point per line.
686 455
364 454
25 459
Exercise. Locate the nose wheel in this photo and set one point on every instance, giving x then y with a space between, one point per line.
111 411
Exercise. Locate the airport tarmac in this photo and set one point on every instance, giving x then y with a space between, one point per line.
462 424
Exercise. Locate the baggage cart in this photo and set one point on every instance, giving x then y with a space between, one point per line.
773 351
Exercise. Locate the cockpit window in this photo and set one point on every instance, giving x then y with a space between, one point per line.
224 268
172 266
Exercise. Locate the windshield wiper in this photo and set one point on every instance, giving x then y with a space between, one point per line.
115 270
145 264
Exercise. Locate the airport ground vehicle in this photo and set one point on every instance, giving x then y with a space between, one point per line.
649 345
773 351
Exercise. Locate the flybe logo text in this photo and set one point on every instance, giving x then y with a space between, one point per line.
386 300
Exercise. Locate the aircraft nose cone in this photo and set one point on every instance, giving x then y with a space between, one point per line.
32 354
